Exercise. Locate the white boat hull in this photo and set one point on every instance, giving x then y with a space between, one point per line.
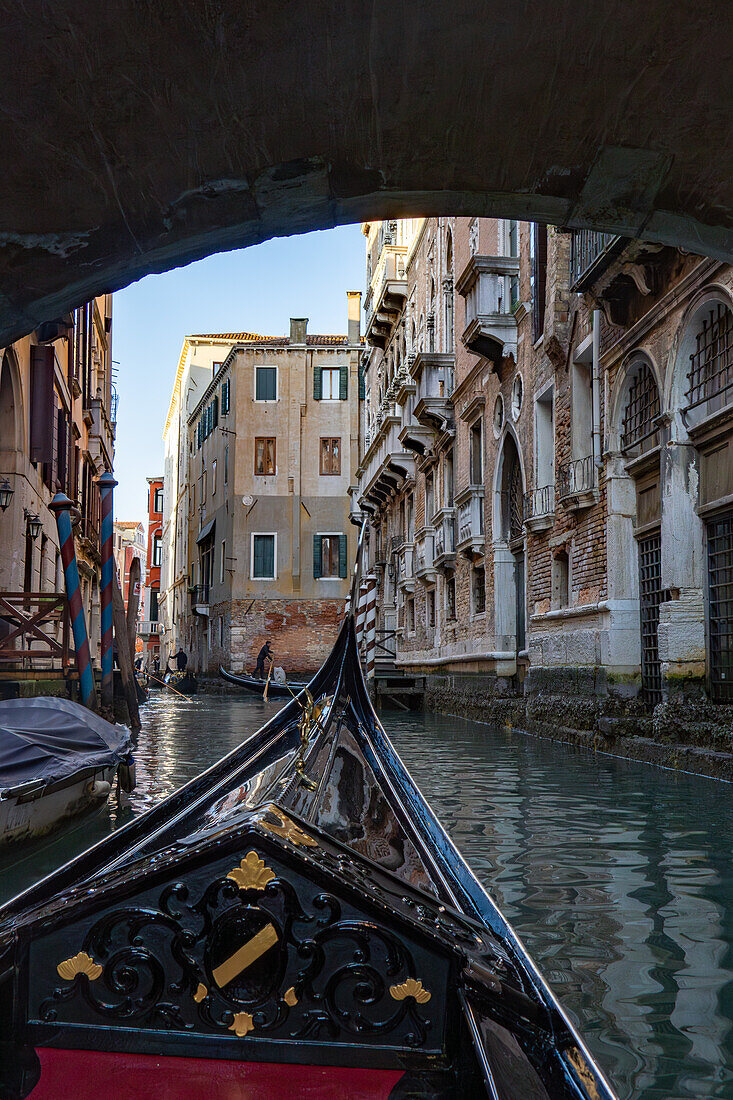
31 815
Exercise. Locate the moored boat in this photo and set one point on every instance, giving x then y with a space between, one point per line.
275 688
57 759
295 921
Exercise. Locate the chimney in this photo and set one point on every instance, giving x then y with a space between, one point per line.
354 314
298 329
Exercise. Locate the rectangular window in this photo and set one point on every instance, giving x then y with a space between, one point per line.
222 563
430 600
213 477
154 605
204 484
479 590
329 555
330 383
450 599
331 455
429 498
410 616
265 383
158 501
448 480
157 550
538 278
226 464
225 398
263 557
264 455
477 457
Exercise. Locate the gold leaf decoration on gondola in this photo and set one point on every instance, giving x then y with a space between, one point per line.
79 964
291 997
252 873
287 829
413 987
242 1024
584 1072
200 993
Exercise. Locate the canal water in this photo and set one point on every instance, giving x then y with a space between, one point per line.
617 875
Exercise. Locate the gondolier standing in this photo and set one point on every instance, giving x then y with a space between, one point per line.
181 661
265 654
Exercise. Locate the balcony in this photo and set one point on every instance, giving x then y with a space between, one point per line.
149 627
444 524
101 435
470 507
386 464
415 437
405 566
487 285
200 599
539 508
425 555
577 484
386 295
434 373
403 386
590 254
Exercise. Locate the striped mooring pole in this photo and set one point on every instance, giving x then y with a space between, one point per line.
370 626
61 506
107 485
359 618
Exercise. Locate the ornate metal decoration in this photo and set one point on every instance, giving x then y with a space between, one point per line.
411 988
286 828
237 955
584 1072
252 874
80 964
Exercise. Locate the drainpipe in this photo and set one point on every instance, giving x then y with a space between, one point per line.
596 389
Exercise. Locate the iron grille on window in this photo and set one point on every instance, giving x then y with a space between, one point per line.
642 409
711 364
516 502
720 606
650 597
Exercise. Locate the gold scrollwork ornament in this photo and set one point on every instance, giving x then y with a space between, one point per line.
79 964
412 987
252 873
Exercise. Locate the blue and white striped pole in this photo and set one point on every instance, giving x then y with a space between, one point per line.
107 485
61 506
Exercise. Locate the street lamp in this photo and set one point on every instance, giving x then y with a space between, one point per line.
6 493
34 524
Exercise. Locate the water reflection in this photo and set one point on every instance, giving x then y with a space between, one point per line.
618 876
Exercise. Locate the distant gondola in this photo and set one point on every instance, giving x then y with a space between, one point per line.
275 689
294 922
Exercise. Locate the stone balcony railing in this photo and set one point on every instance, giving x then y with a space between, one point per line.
101 435
444 524
149 626
425 554
491 328
405 564
386 295
386 464
434 374
470 506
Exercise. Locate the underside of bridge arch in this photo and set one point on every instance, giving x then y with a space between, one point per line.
143 134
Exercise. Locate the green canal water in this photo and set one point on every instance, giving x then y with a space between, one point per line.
618 876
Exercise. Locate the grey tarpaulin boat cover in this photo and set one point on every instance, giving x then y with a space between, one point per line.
50 739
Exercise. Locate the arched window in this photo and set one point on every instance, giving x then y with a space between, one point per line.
639 425
449 253
512 492
710 373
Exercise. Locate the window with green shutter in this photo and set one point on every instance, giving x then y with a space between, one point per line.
263 557
317 383
344 382
343 557
362 385
316 556
265 383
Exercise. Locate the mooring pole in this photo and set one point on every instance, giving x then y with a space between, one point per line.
61 507
370 626
107 485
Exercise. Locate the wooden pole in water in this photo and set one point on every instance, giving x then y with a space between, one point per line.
133 603
267 684
123 652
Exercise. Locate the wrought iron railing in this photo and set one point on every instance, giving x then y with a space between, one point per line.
711 364
587 247
577 476
539 502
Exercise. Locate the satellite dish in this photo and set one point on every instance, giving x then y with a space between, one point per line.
247 500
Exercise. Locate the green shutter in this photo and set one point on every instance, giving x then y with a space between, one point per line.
317 386
343 552
215 408
362 386
344 382
317 554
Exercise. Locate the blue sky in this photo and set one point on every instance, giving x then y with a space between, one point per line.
254 289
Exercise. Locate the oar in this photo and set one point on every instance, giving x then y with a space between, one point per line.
267 684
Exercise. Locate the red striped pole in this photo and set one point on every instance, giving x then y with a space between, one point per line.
107 485
61 506
371 627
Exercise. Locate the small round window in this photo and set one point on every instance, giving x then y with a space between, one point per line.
517 395
498 415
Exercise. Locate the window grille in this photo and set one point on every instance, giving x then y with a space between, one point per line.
642 409
516 502
650 597
711 364
720 606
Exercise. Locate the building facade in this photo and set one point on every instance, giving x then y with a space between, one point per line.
272 447
58 407
128 545
150 625
545 464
